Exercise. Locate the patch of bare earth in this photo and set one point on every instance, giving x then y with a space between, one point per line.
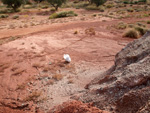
33 75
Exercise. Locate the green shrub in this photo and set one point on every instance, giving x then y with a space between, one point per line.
52 9
140 24
143 1
92 7
29 6
109 5
131 33
98 2
130 25
7 10
54 15
63 14
148 22
101 8
135 2
15 17
3 16
44 7
130 9
81 4
146 15
126 2
121 25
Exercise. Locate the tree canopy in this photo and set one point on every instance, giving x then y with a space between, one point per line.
56 3
15 4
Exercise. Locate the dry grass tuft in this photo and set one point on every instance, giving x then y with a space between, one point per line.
131 33
46 68
58 77
70 81
75 32
33 96
21 86
50 82
90 31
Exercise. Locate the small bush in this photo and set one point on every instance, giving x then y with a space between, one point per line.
130 10
92 7
53 9
121 25
3 16
141 30
130 25
148 22
75 32
146 15
140 24
44 7
131 33
101 8
126 2
109 5
98 2
15 17
63 14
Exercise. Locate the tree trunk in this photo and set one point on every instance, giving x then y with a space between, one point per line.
56 8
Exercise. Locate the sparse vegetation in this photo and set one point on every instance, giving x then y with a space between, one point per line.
51 82
15 17
90 31
62 14
58 77
75 32
148 22
4 16
46 68
131 33
141 30
21 86
98 2
121 25
70 81
33 96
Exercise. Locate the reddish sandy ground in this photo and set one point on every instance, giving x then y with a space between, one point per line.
33 75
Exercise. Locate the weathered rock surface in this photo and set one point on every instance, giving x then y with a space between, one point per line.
76 107
125 88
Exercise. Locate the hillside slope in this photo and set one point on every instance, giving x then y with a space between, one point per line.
126 86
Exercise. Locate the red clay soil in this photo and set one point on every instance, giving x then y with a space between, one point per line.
24 84
76 107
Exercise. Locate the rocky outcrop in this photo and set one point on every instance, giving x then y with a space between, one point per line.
125 88
76 107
